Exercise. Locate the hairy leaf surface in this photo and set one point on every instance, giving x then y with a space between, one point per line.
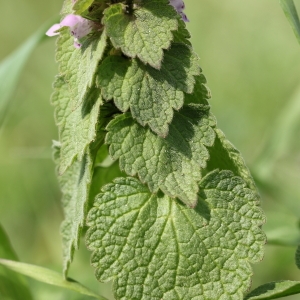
78 66
145 33
77 126
154 247
150 94
172 164
75 184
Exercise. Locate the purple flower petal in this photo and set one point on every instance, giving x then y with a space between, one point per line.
71 20
179 6
52 30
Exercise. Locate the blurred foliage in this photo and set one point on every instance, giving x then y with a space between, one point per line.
251 59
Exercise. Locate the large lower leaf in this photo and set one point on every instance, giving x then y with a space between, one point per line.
47 276
172 164
275 290
143 34
12 285
150 94
156 248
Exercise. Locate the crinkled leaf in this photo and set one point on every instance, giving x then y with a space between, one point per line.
150 94
274 290
182 35
75 184
78 66
12 285
155 248
297 257
224 156
143 34
201 93
172 164
77 127
48 276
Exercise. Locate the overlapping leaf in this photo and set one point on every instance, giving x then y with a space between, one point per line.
145 33
224 156
78 66
150 94
172 164
77 126
75 184
155 248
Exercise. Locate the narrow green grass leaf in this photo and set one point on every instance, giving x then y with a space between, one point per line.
150 94
12 66
153 247
48 276
12 285
290 11
145 33
274 290
172 164
297 257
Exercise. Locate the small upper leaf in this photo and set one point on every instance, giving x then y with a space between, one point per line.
78 66
155 248
77 126
150 94
172 164
145 33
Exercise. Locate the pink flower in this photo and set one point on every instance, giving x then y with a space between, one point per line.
179 6
79 28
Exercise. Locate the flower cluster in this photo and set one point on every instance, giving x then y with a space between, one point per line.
80 27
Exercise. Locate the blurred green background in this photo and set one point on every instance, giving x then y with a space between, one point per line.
251 59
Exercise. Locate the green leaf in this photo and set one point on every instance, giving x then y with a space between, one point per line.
182 35
154 247
224 156
81 6
77 126
12 66
297 257
201 93
290 11
12 285
150 94
48 276
75 184
172 164
145 33
274 290
78 66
